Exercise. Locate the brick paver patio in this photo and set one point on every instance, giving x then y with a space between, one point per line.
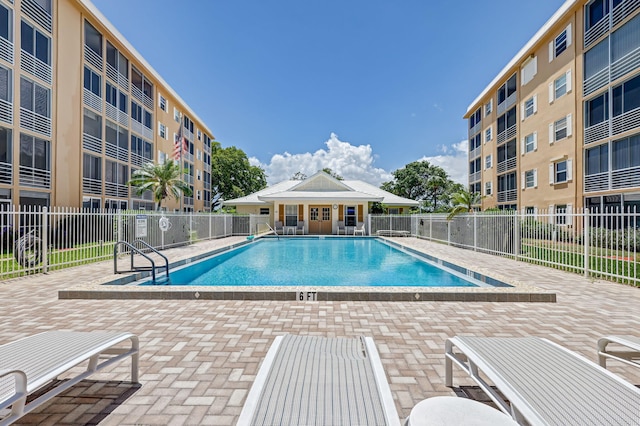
199 357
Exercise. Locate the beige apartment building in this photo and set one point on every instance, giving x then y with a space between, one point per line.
559 127
81 110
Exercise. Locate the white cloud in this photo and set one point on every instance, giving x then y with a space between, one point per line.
349 161
454 160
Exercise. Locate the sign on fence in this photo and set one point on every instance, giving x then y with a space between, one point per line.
141 225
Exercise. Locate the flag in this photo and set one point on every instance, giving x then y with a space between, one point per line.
179 143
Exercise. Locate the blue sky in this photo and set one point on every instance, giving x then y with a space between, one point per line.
361 86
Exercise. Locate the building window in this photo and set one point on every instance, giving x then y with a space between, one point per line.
475 119
163 103
162 157
116 173
117 60
92 39
560 172
531 142
198 195
264 211
626 96
6 23
560 43
506 121
529 70
6 142
34 153
291 215
488 107
488 188
34 97
350 216
488 134
92 82
198 174
625 153
530 106
507 89
92 167
561 214
143 148
92 124
531 178
597 159
488 160
560 86
116 98
6 84
136 112
393 210
560 129
596 110
176 115
35 43
199 135
162 130
595 11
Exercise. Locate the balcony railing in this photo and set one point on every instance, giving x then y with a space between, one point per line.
620 12
475 152
91 100
508 164
6 111
35 122
628 63
475 129
117 77
91 186
506 104
34 66
625 178
91 143
625 122
6 50
506 135
117 152
116 115
597 182
596 81
507 196
139 160
474 177
596 132
136 92
92 57
112 189
34 11
36 178
6 173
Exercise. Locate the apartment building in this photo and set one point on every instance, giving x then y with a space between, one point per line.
559 127
81 110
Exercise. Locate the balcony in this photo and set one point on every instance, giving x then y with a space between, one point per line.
625 178
508 164
37 13
115 76
475 129
475 152
35 178
6 111
112 189
506 135
6 173
139 160
506 104
91 100
91 186
34 66
92 58
474 177
91 143
508 196
625 122
117 152
116 115
596 81
35 122
6 50
620 12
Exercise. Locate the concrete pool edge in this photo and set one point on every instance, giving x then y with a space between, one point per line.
120 287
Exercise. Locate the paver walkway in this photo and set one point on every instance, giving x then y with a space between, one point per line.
199 358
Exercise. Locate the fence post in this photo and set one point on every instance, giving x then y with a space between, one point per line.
430 227
585 238
516 234
448 232
368 224
475 231
45 240
119 233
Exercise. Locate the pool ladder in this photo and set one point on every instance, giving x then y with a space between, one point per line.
132 250
274 231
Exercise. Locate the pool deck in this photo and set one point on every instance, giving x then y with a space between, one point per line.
200 357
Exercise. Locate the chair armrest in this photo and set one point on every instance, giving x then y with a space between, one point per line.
19 398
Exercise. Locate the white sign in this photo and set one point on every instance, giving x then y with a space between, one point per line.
306 296
141 225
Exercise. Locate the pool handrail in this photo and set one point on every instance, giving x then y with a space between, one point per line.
274 231
133 249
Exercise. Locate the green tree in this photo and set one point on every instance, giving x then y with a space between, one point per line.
163 180
299 176
333 174
232 174
424 182
463 202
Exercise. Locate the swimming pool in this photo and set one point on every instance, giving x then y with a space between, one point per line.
353 262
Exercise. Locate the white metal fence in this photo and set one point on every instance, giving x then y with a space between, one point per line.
34 240
602 244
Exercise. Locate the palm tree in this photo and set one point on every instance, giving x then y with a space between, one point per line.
163 180
463 202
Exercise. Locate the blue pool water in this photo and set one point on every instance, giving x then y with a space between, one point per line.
317 262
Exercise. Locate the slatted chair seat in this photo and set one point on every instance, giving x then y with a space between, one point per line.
544 383
28 364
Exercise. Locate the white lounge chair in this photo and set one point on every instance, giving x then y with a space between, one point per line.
307 380
300 227
341 227
28 364
359 229
544 383
630 355
278 227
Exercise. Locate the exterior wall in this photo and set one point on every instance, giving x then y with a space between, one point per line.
580 188
63 182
